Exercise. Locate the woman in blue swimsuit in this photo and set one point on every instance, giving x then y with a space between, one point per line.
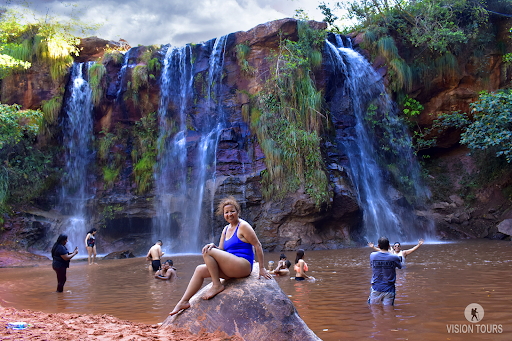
233 257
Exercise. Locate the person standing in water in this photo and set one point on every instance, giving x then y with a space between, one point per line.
90 245
233 258
61 258
300 267
154 255
402 254
397 250
383 265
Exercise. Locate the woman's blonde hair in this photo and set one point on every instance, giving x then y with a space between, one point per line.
228 201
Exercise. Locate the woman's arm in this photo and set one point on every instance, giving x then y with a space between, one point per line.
250 236
68 256
222 237
86 239
210 246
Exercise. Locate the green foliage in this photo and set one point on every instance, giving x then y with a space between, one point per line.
50 41
112 54
288 119
109 176
96 74
140 77
144 152
242 51
26 171
492 125
109 213
106 142
154 65
51 109
329 18
18 125
507 58
431 33
411 107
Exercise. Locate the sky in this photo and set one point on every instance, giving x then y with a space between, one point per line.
178 22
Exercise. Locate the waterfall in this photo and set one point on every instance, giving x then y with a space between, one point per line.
381 217
185 157
77 141
122 73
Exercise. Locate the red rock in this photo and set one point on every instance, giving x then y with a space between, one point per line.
251 308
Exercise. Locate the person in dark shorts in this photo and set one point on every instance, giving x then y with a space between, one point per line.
154 255
61 257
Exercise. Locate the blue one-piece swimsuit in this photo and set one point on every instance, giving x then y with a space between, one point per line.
239 248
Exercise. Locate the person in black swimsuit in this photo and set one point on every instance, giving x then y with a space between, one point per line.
90 245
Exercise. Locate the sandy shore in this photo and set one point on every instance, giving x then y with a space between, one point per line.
51 327
60 326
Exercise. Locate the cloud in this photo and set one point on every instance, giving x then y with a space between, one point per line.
177 22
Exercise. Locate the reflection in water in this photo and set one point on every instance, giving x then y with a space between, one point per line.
434 290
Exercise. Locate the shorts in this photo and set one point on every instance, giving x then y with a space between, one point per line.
156 265
300 278
385 298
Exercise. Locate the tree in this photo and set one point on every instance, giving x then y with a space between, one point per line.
46 40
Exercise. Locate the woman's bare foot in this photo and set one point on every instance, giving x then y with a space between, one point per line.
180 306
214 290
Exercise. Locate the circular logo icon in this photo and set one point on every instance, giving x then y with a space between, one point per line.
474 313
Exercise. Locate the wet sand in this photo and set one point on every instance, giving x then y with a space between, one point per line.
62 326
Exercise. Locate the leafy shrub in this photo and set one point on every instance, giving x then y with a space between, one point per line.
492 125
288 119
96 74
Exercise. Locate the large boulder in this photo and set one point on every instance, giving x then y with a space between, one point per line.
505 227
252 308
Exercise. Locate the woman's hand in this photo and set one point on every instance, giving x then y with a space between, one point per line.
208 247
264 273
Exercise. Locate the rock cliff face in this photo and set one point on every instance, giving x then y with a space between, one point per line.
281 225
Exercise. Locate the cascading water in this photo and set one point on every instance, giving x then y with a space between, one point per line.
181 151
77 141
381 218
122 73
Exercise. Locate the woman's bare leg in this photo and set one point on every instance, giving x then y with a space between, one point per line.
194 285
89 251
94 254
222 264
